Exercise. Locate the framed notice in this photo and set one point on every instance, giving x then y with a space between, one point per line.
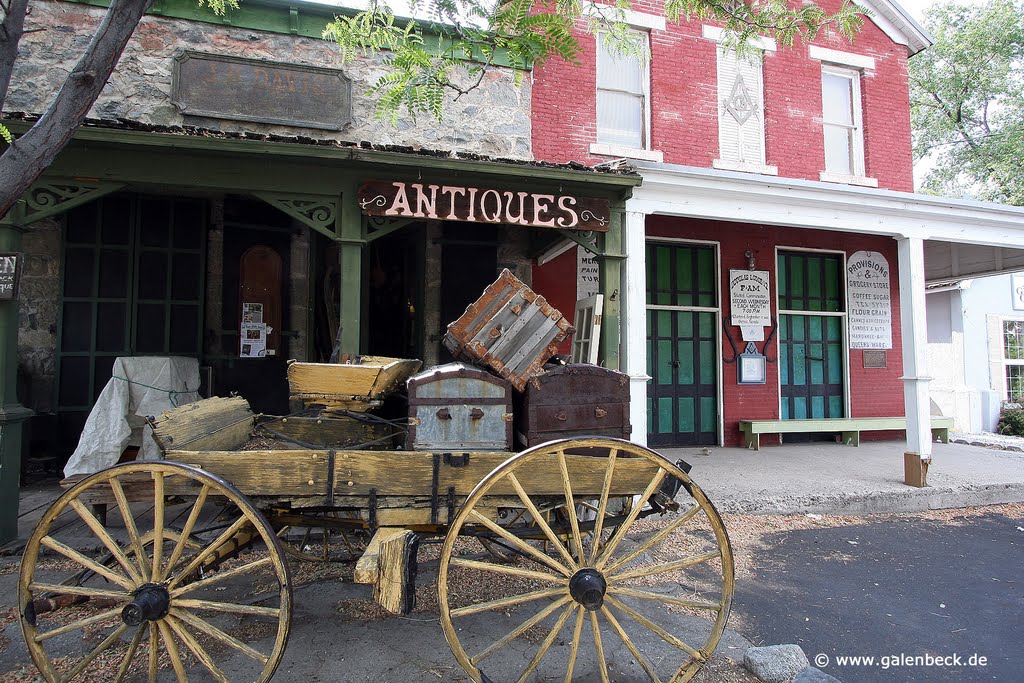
750 303
869 301
1017 284
10 275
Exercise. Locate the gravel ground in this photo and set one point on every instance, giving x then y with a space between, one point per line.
989 440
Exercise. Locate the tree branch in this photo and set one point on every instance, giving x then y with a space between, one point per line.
11 30
28 157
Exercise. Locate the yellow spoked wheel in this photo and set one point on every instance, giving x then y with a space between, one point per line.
637 588
186 580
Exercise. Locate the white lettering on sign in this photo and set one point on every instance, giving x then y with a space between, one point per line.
8 276
869 301
749 301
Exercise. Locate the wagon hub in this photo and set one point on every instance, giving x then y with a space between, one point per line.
152 601
587 587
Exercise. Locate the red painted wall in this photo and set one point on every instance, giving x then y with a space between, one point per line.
876 392
684 124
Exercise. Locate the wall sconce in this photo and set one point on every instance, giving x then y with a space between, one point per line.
751 265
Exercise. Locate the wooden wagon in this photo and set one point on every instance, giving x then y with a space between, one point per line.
579 552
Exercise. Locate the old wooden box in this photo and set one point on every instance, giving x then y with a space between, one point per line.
510 329
358 384
573 400
459 407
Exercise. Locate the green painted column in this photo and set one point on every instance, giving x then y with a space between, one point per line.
610 265
349 228
12 413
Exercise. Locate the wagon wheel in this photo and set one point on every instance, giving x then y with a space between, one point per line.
170 593
642 595
321 535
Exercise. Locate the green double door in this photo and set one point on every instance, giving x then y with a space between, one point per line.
682 395
811 354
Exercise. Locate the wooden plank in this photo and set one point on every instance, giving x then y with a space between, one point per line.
212 424
395 588
278 473
836 424
372 377
367 569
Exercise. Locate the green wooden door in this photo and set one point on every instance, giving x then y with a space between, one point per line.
811 357
682 396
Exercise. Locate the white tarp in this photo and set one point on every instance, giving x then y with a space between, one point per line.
139 386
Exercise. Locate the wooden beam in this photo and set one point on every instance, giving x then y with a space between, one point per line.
395 589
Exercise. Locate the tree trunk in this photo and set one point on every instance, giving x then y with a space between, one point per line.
33 152
10 35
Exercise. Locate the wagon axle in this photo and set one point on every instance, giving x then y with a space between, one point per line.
587 587
151 603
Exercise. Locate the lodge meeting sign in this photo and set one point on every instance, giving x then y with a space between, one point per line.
869 302
479 205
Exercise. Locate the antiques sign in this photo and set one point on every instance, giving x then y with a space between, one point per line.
868 300
10 274
228 87
479 205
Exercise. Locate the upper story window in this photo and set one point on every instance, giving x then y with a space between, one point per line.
623 93
842 118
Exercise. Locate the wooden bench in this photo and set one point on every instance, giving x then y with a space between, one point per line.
849 427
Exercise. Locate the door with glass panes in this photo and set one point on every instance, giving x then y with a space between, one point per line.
812 320
682 315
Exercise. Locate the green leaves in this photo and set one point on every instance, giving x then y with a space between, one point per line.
967 101
471 35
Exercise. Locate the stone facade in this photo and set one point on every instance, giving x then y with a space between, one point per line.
494 119
37 326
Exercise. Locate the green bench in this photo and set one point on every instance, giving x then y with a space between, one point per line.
849 427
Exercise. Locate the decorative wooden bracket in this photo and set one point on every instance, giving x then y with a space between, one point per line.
319 212
588 239
375 227
54 196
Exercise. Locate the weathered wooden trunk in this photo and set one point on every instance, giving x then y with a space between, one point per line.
459 407
573 400
510 329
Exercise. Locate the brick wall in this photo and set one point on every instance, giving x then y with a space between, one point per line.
684 104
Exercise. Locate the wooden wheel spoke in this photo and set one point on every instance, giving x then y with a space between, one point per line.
214 632
97 528
158 524
130 655
505 569
172 651
667 599
107 642
662 568
538 518
508 602
520 630
186 531
88 591
222 576
602 664
192 566
154 651
643 547
102 570
75 625
662 633
520 544
129 524
546 644
574 522
232 608
577 633
602 506
641 660
192 644
620 533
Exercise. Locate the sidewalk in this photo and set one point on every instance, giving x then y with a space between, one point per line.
832 478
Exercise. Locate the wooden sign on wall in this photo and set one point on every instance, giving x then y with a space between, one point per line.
480 205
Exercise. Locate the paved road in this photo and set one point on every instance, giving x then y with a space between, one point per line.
907 587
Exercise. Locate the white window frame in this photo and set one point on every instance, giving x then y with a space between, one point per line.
1007 362
854 131
617 150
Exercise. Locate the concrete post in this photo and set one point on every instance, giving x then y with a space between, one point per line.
635 304
12 413
915 378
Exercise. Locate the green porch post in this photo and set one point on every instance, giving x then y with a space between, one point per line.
350 250
610 263
12 413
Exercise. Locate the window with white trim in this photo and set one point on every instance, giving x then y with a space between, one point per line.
623 92
1013 359
740 107
842 121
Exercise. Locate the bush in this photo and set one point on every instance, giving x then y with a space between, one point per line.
1011 419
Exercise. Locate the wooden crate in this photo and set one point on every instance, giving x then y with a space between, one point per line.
510 329
357 385
573 400
459 407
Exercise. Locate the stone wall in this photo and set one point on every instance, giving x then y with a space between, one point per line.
493 120
37 325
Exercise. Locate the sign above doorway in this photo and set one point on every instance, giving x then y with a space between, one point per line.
480 205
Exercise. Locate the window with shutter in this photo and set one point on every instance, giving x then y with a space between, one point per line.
741 112
622 92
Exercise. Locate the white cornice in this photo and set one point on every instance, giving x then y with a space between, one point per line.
724 195
894 21
716 34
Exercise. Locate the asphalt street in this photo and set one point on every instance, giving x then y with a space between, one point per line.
907 588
